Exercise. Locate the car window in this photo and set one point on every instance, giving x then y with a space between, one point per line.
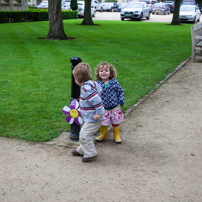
187 9
158 5
134 5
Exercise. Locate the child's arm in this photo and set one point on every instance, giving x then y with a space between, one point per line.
120 94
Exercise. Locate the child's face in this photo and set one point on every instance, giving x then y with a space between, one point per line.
104 73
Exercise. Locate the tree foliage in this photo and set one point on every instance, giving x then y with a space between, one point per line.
56 28
74 5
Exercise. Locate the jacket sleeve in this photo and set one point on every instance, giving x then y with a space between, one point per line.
120 94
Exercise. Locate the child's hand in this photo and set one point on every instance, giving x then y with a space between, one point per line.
97 116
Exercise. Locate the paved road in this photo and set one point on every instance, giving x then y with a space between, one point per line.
116 16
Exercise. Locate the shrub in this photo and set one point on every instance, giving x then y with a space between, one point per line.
31 15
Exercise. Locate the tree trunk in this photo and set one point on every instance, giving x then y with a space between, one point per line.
56 28
87 14
175 20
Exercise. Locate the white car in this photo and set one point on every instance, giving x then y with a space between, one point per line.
66 5
110 6
81 6
97 5
43 5
135 10
189 13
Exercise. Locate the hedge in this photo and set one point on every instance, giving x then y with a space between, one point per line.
31 15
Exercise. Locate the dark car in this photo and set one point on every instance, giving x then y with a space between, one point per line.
171 4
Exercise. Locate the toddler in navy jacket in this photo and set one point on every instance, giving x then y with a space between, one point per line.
112 97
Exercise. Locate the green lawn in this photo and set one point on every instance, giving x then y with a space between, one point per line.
36 73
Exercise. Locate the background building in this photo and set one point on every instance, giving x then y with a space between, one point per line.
13 5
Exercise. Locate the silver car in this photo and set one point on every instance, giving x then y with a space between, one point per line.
161 8
135 10
189 13
81 6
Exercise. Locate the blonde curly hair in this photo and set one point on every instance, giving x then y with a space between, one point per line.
107 66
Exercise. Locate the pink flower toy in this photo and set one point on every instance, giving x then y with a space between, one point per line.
73 113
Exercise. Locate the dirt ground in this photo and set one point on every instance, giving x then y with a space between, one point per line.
160 158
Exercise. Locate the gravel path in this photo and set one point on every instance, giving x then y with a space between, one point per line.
159 159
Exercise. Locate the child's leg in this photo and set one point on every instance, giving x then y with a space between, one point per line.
87 146
116 133
103 133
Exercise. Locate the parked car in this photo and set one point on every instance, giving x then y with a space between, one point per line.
66 5
171 4
188 2
150 3
43 5
189 13
81 6
135 10
98 6
110 6
161 8
123 5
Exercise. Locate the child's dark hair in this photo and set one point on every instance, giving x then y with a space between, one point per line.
105 65
82 72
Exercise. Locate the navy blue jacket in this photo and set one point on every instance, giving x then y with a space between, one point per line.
112 95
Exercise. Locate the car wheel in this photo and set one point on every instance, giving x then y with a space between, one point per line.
194 19
101 10
140 18
122 19
198 19
153 13
148 17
